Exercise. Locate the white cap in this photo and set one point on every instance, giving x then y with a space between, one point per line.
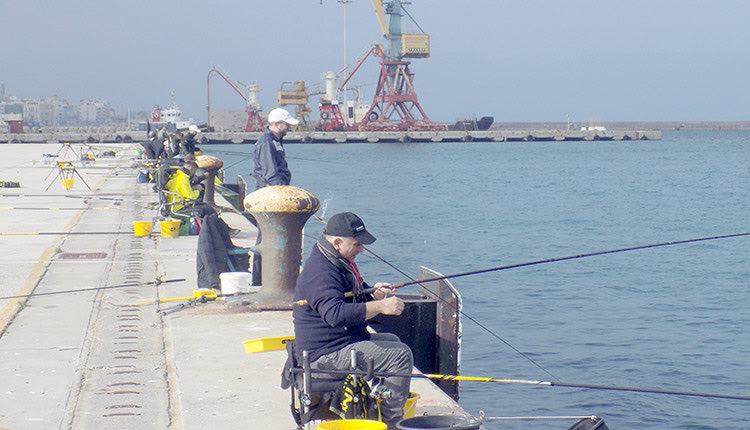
280 114
194 128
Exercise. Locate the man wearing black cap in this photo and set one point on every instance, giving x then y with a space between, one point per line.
331 325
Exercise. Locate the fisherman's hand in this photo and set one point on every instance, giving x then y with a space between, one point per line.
391 306
382 290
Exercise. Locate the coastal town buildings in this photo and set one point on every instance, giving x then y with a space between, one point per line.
54 111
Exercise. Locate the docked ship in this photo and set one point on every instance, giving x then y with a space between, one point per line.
169 117
484 123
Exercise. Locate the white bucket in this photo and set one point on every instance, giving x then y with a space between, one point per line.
235 282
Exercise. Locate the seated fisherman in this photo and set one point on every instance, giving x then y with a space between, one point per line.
332 325
153 148
173 144
188 144
181 188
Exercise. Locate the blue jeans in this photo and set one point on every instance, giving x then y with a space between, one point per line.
389 355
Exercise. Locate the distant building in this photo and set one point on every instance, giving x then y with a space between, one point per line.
95 111
55 111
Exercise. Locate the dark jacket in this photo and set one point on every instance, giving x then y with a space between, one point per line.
214 245
329 321
154 149
270 161
187 145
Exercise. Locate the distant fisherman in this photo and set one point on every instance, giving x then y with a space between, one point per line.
270 166
153 148
187 146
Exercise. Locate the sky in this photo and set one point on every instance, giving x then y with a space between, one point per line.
516 60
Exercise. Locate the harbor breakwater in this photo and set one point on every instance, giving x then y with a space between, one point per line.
496 135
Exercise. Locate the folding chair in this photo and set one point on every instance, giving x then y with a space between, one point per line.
169 200
311 392
310 395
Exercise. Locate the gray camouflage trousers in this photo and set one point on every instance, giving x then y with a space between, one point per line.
389 355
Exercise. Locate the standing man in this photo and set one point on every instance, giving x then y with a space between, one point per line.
270 159
270 166
332 325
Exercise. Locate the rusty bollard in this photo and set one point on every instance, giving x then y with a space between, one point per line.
211 165
280 211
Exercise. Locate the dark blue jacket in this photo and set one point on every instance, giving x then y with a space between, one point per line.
270 161
187 145
329 321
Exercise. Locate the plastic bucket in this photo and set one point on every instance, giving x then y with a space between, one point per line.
170 228
439 422
68 183
352 425
142 228
410 407
235 282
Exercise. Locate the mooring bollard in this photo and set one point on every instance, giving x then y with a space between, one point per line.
280 211
211 165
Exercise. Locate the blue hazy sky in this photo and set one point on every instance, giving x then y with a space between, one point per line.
518 60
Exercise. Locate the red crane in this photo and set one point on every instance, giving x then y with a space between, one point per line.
330 113
253 108
395 105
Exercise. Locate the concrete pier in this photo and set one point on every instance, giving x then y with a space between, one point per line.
509 135
106 357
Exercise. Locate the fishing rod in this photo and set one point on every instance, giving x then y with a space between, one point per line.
14 208
570 257
370 374
62 195
59 233
494 269
246 156
157 281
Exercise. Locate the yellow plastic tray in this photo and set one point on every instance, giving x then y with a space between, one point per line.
266 344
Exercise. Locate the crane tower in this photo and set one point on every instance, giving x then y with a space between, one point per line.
395 105
252 107
330 113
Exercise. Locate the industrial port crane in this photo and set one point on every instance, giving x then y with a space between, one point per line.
331 118
395 105
296 93
253 108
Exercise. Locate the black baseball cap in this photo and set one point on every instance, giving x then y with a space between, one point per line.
346 224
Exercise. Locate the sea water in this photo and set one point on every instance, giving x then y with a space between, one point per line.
671 318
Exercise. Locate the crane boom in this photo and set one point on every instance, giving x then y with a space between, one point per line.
253 108
378 6
232 83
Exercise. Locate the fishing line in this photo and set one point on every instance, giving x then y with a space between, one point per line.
482 326
531 263
572 257
50 209
236 163
549 260
519 381
64 195
246 156
138 284
59 233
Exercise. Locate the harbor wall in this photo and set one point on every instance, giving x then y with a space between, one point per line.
495 135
